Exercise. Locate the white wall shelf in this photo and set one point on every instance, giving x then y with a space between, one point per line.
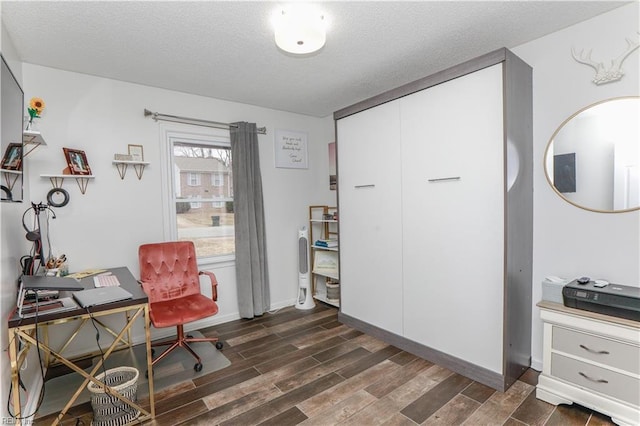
31 140
58 180
122 166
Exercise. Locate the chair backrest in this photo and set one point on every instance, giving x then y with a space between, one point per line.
168 270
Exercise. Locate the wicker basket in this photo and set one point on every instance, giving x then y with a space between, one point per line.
108 410
333 291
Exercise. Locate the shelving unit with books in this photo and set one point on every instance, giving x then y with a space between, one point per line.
323 241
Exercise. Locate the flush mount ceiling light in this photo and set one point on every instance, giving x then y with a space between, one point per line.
299 29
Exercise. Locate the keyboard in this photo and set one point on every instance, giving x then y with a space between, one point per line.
105 281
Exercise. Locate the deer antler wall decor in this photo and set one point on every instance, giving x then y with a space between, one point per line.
604 74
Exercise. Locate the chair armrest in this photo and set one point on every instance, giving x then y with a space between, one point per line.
214 284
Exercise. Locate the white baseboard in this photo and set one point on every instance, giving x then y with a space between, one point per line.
283 304
536 364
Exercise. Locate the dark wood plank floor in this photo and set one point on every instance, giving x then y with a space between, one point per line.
304 367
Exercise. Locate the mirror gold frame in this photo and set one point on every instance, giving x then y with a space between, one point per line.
570 162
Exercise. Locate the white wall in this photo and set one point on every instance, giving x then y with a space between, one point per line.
12 242
105 226
569 241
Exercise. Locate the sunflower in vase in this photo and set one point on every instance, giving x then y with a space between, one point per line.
36 106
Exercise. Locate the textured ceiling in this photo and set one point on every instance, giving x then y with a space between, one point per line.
226 50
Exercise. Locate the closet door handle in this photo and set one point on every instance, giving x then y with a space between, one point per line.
371 185
444 179
594 351
591 379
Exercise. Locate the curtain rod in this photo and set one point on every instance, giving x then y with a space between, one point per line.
198 122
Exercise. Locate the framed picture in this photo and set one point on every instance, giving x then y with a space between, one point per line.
136 152
564 172
123 157
12 159
333 177
77 161
291 149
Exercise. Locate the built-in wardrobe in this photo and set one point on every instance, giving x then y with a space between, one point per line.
435 207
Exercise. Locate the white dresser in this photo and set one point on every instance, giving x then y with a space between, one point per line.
591 359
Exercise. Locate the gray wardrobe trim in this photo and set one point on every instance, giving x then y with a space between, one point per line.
472 371
484 61
518 204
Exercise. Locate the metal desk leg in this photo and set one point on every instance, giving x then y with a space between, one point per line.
147 332
15 381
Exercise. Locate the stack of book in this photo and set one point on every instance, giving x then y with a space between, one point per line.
331 243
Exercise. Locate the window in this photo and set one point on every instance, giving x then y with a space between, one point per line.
195 204
193 179
217 179
200 207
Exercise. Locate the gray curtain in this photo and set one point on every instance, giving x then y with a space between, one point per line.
252 277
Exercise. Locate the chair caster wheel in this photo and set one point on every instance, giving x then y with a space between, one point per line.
198 367
219 345
153 352
189 336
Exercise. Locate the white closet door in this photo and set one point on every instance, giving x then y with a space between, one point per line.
453 226
369 216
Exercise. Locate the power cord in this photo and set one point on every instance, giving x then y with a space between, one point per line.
21 384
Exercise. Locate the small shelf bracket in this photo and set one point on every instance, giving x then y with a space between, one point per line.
122 166
58 180
11 177
30 141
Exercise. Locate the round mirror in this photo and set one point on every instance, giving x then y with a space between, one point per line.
593 159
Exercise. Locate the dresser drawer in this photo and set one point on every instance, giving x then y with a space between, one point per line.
609 352
601 380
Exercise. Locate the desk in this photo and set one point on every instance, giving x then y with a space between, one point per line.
25 329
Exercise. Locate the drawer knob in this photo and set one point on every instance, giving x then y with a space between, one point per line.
591 379
594 351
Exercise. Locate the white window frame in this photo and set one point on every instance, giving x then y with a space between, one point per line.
217 179
197 177
171 133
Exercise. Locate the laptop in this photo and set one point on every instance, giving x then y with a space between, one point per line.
100 296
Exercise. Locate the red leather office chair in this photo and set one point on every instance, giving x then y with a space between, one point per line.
169 276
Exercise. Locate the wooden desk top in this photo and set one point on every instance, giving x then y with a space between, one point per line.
127 282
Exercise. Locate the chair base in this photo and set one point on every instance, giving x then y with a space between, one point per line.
183 341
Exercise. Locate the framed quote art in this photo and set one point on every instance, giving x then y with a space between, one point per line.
136 152
291 149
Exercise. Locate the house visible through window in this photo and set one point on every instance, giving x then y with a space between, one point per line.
203 193
217 179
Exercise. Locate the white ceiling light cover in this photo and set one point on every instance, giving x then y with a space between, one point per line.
299 29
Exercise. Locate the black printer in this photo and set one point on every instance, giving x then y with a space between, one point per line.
614 299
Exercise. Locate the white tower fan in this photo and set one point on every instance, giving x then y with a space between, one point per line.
305 298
